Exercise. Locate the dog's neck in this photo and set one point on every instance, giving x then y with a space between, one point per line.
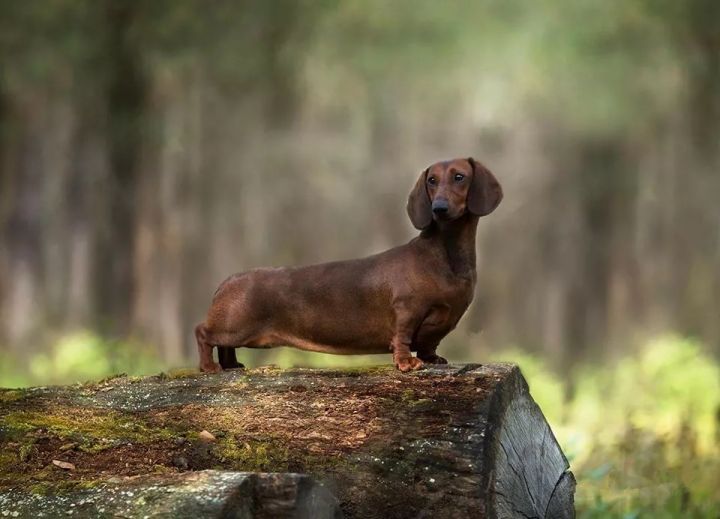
457 240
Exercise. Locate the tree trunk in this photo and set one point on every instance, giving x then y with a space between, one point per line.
125 93
462 441
21 228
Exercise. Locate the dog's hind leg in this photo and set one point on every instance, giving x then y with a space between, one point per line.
207 364
227 358
225 342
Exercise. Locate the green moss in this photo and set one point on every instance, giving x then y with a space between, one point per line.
408 395
45 488
7 460
17 474
162 469
40 489
94 448
253 456
110 378
178 373
92 431
408 399
273 455
11 395
26 451
421 403
365 370
89 484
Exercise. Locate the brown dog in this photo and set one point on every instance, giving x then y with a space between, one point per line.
402 300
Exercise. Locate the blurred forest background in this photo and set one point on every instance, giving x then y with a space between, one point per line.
150 149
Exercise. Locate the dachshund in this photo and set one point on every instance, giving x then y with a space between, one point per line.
403 300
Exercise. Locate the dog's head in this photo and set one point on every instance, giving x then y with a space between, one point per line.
447 190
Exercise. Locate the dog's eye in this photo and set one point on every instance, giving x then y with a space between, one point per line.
459 177
432 181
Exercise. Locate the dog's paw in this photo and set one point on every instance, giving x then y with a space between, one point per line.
211 368
408 364
434 359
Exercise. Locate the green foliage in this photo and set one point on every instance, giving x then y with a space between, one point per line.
79 357
641 435
670 382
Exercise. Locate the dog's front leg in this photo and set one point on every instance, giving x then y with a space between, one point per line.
406 322
429 355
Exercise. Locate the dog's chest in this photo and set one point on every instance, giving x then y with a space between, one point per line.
460 301
451 303
459 290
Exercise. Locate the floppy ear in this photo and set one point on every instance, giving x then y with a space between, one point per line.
418 206
485 192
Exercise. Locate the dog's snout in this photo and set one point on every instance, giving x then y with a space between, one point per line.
440 206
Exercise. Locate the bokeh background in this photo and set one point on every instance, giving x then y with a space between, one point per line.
150 149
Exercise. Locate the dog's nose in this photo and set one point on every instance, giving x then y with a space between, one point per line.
440 206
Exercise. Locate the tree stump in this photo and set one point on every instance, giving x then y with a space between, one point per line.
449 441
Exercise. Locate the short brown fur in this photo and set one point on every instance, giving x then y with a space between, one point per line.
402 300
